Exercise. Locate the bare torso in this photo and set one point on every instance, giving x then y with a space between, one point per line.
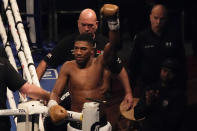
90 82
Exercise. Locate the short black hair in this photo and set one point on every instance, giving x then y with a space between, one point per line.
171 63
85 37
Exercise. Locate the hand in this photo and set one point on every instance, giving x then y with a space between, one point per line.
151 95
110 12
44 102
57 113
128 100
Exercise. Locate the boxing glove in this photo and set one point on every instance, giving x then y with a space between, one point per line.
56 112
110 12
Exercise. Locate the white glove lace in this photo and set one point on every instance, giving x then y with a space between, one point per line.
114 24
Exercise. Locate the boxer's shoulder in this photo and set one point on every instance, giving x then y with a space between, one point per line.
69 65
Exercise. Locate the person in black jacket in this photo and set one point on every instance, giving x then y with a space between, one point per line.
163 103
10 78
152 47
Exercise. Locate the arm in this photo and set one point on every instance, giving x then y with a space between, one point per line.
144 107
56 57
41 69
15 82
110 52
111 13
34 91
123 77
60 83
57 112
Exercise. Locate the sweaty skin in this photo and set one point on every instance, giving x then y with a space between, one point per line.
88 23
89 83
86 76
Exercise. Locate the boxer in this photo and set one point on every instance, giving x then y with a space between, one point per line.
86 74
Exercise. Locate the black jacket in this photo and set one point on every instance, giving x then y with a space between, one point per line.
150 51
167 111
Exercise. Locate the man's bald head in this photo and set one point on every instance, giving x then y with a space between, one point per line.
158 17
88 14
159 9
87 22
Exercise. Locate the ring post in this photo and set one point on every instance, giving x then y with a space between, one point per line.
90 115
30 121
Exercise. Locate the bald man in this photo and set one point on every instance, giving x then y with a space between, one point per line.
87 23
152 46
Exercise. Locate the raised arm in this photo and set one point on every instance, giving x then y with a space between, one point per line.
110 11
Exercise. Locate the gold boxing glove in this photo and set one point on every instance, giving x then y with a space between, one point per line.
56 112
110 12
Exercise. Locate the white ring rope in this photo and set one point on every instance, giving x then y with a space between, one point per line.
27 52
89 115
38 110
18 45
10 55
24 41
22 46
7 44
17 41
31 111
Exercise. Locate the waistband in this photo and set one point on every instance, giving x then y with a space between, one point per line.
78 124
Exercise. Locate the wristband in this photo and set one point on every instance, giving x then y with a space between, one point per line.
52 103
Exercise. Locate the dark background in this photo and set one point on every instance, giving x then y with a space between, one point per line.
56 18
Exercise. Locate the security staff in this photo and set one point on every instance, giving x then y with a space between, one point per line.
152 47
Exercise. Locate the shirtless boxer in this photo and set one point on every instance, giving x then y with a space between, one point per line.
86 74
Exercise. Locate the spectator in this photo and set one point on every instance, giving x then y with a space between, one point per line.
163 103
